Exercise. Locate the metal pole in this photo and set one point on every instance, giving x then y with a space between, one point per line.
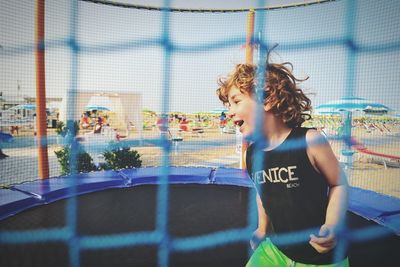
249 60
41 117
249 36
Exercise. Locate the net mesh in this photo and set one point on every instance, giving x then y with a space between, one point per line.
144 63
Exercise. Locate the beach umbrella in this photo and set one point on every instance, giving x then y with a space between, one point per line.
98 108
149 111
25 106
218 110
352 104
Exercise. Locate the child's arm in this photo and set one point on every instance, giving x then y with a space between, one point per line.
325 161
261 230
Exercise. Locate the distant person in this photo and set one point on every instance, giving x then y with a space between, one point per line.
162 123
104 120
100 120
85 121
98 126
222 121
184 125
14 129
301 188
34 124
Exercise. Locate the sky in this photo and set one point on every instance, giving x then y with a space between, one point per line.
118 50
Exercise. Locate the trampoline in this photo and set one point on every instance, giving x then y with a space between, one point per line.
178 216
113 207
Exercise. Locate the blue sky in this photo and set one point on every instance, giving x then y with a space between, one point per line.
208 45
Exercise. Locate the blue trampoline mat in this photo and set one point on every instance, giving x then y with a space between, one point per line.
201 201
380 208
26 195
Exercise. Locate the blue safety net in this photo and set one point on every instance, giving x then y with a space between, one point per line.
132 86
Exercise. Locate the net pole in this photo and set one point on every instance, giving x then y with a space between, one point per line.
249 60
249 36
41 116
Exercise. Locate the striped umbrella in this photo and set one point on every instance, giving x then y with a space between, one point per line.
25 106
218 110
95 107
352 104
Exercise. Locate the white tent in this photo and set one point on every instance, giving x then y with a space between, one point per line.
127 106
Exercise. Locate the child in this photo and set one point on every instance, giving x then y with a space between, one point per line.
300 185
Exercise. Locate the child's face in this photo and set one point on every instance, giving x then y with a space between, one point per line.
242 110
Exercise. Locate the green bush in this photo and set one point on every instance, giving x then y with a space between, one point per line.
62 129
122 158
83 159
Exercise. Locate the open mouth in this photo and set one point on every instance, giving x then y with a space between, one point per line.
239 123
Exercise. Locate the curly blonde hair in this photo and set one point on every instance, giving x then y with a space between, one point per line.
281 90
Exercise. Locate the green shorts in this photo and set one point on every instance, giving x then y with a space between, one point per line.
267 254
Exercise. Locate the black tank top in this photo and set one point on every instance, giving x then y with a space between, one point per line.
293 193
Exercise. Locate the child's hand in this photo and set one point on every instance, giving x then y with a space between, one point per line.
256 239
325 241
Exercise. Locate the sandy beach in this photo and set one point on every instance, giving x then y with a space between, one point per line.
21 165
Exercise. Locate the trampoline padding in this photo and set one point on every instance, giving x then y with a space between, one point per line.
12 202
